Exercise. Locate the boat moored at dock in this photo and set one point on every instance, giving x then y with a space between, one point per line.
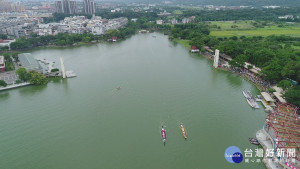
250 103
250 99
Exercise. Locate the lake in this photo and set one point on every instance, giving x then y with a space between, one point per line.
85 122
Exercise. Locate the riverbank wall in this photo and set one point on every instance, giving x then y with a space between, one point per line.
14 86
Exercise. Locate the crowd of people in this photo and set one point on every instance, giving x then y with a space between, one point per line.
251 77
242 72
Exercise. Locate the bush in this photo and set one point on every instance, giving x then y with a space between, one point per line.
249 67
271 90
284 84
54 70
18 81
9 66
15 55
23 74
38 79
3 83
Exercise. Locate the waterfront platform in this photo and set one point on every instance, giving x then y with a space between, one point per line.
266 142
264 103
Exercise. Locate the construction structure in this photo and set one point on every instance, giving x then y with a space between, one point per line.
283 130
216 58
89 7
65 6
63 71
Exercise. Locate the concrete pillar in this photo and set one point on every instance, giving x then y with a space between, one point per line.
63 72
216 58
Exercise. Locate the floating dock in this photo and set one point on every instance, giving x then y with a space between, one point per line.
70 74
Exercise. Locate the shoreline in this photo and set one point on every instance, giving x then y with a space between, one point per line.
259 87
78 44
74 45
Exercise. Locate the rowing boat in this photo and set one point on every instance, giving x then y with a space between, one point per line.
163 134
183 131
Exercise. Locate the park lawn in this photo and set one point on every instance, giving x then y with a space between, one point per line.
289 31
185 43
296 47
226 25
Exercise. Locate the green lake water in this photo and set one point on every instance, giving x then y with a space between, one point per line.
86 123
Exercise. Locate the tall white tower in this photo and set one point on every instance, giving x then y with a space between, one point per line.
63 72
216 58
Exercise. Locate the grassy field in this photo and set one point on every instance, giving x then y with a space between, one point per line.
185 43
296 47
230 25
246 28
257 32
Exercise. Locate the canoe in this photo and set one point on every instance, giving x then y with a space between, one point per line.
252 139
183 131
163 134
255 143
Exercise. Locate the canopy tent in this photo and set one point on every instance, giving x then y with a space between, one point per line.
267 97
278 96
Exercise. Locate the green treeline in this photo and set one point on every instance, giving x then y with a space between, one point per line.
257 3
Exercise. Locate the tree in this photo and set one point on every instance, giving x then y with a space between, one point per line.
293 95
234 38
3 83
284 84
238 61
54 70
23 74
292 70
15 55
273 71
38 79
2 36
6 56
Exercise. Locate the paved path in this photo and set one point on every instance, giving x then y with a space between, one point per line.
9 77
264 140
